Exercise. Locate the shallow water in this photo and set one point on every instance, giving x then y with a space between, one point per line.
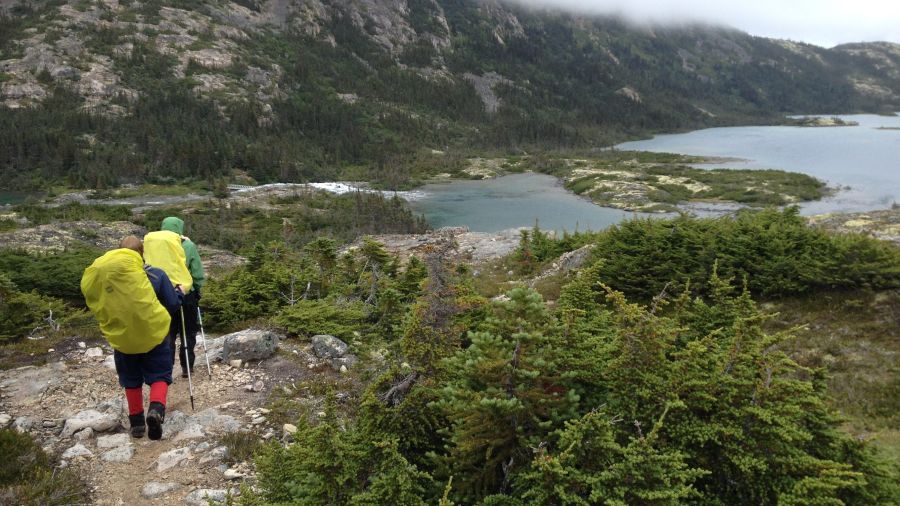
516 200
862 157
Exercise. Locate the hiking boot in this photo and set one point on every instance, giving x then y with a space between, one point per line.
137 425
156 415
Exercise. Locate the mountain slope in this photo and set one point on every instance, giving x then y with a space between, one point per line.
101 92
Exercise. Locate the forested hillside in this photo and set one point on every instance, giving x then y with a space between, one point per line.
97 93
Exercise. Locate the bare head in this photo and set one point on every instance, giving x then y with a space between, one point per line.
133 243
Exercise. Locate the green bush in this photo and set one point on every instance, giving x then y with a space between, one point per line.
27 476
327 316
51 274
26 313
599 402
774 250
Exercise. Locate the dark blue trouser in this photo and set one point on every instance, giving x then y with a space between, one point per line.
136 369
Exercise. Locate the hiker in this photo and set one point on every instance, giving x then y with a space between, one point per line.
176 254
133 305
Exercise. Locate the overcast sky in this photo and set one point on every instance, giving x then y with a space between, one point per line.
822 22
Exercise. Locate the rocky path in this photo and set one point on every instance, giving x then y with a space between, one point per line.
75 408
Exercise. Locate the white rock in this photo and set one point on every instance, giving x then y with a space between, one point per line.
100 422
155 488
110 362
250 344
202 496
236 363
113 441
265 411
4 420
93 352
192 431
84 434
289 428
81 345
78 450
22 424
120 454
232 474
172 458
258 420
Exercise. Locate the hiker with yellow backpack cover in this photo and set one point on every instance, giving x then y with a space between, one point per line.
176 254
133 303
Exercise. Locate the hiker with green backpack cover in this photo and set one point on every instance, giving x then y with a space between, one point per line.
176 254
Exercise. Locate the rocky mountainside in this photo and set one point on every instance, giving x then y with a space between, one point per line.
296 90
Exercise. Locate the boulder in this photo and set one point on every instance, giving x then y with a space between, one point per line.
325 346
250 344
96 420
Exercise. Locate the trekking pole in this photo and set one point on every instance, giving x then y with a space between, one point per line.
203 337
186 356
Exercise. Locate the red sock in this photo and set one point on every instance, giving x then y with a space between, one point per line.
158 392
135 398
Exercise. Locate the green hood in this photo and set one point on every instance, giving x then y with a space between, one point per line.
173 224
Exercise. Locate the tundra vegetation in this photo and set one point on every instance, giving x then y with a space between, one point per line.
651 376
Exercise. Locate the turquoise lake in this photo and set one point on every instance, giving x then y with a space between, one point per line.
863 158
517 200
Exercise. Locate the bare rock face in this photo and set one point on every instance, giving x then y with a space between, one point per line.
28 384
250 344
210 58
484 85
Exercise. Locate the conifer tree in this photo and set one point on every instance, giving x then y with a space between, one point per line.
507 392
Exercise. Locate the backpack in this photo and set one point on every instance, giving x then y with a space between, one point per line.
117 291
163 249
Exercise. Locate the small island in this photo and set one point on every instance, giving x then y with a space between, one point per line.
656 182
821 121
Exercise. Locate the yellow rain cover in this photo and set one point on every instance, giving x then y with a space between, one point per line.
162 249
119 294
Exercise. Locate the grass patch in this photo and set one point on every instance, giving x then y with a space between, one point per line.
242 446
855 337
28 476
41 215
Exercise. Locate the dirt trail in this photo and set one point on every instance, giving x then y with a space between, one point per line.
42 400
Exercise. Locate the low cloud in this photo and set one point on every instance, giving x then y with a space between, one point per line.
821 22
